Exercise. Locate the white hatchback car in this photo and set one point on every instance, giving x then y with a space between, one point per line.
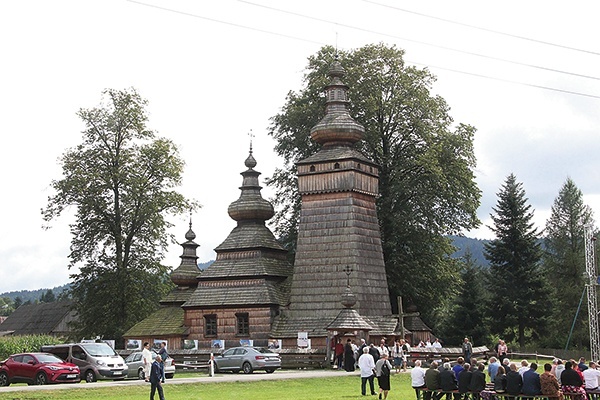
135 365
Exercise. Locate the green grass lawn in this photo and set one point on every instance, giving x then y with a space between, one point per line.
342 387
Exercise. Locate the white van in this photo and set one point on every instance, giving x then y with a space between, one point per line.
95 360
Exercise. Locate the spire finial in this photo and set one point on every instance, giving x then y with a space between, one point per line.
190 218
251 134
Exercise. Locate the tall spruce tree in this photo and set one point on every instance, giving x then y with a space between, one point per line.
564 262
517 287
467 316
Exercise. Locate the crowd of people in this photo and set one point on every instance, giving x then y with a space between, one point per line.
471 379
466 377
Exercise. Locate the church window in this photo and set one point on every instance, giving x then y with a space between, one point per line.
243 323
210 325
336 165
312 168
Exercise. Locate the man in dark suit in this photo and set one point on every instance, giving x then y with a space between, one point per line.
477 380
156 374
531 381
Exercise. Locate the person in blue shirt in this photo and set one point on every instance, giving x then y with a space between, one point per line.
493 368
163 355
156 376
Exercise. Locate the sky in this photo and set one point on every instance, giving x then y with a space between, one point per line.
525 74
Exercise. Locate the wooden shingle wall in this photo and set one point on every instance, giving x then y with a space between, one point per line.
338 230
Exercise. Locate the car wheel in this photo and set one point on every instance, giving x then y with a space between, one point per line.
4 381
270 371
247 368
216 368
90 376
141 374
41 378
169 376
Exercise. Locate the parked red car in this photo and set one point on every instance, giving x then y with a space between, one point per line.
37 369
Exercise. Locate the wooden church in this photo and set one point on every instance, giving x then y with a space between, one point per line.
251 294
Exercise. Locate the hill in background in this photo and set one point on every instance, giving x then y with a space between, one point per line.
462 243
475 246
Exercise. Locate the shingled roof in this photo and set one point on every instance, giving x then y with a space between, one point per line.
250 293
166 321
40 319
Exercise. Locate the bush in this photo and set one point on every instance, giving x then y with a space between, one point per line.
19 344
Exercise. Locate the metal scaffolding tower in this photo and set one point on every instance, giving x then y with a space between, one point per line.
590 268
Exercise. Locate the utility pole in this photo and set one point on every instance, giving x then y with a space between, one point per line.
590 268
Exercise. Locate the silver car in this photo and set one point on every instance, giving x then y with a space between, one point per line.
135 363
247 359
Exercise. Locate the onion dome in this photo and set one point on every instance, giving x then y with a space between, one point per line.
337 127
250 206
187 272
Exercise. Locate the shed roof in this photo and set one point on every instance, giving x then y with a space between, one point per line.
166 321
39 319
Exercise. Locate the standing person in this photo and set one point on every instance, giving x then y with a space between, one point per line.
417 377
339 353
367 369
383 370
349 360
156 374
383 348
163 355
502 351
374 352
406 351
147 358
397 354
467 349
549 383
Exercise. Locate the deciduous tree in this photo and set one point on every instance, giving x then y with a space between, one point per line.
427 183
121 183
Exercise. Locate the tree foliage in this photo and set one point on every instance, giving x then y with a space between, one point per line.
120 181
564 261
518 306
427 183
467 311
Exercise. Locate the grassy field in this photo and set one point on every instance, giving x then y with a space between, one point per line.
342 387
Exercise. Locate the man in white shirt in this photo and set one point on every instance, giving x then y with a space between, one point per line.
147 359
366 363
417 376
590 376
